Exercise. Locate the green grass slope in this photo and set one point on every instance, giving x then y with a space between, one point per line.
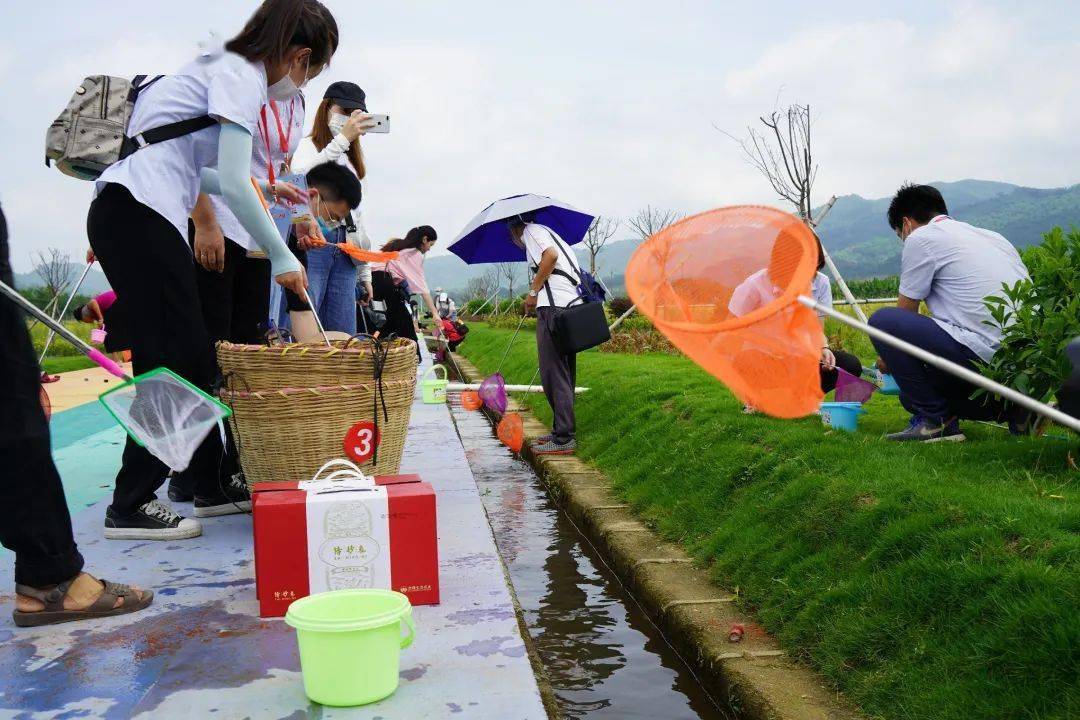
936 581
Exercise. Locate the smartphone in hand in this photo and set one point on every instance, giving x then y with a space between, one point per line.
382 124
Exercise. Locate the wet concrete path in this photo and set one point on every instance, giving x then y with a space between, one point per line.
201 651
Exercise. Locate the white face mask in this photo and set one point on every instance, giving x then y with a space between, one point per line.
286 88
337 122
283 90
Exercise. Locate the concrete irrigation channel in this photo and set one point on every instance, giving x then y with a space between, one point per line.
622 623
596 651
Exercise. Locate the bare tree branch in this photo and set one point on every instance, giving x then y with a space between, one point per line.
508 271
54 268
650 221
782 154
601 230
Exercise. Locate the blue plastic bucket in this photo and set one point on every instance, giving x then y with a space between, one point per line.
841 415
888 385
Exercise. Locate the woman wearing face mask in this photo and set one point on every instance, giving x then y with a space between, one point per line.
395 281
340 120
231 271
233 274
138 221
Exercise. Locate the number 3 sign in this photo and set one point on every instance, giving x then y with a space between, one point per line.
361 441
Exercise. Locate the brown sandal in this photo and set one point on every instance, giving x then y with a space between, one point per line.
55 612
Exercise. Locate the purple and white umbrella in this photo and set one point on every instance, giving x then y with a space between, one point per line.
486 239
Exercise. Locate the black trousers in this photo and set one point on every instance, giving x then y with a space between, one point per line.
150 266
844 360
399 319
34 521
558 373
235 302
235 307
293 302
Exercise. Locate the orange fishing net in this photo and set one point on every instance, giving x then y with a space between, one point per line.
470 400
722 286
361 255
511 432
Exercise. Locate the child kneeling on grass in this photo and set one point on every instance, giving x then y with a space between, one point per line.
759 290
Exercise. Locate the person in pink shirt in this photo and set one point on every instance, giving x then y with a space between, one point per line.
104 311
395 281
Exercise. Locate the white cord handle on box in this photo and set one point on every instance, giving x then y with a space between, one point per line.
346 470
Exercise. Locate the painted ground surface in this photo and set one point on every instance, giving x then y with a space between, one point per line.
202 651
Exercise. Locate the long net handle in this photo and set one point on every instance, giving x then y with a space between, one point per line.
619 320
318 322
67 305
948 366
44 319
844 289
510 344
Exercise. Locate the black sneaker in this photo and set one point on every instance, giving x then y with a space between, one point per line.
180 485
178 494
232 499
153 521
921 429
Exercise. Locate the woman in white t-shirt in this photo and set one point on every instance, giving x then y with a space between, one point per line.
340 120
233 275
138 221
759 290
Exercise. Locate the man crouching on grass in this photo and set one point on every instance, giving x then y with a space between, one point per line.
952 267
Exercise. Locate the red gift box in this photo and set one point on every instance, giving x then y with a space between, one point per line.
329 536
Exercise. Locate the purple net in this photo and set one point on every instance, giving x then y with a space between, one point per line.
852 389
493 392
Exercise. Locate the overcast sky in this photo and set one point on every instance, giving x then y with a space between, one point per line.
606 105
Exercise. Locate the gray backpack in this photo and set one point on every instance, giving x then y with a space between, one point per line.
91 133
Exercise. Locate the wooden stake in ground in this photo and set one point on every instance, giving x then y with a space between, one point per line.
844 289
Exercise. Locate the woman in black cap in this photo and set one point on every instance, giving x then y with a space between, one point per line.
340 120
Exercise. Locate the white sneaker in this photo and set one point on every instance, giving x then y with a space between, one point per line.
153 521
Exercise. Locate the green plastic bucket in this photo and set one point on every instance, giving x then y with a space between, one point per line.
433 387
350 642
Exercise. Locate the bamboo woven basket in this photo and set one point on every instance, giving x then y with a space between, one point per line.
271 367
286 435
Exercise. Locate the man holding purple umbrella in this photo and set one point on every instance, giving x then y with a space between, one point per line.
553 288
540 230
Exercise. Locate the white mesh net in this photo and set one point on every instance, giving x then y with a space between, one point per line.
165 414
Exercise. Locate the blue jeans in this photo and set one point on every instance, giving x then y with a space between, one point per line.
332 288
925 390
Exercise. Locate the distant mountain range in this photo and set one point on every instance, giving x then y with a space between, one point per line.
95 279
857 236
855 233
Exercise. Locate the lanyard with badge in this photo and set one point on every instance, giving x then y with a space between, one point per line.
284 137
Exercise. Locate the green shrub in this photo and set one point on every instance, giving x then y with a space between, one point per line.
1039 317
880 287
618 305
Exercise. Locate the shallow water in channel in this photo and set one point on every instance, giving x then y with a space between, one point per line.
602 655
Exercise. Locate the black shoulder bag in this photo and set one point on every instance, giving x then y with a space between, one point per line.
576 328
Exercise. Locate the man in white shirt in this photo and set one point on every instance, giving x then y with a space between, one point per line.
553 288
952 267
